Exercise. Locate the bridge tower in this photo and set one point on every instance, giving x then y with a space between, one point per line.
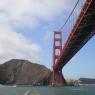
57 79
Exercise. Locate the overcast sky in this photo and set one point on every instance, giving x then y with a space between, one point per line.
26 32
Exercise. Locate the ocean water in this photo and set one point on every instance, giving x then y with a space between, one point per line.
29 90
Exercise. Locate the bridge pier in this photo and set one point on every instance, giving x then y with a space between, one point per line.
58 79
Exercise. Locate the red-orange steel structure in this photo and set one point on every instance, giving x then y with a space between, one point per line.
57 49
81 33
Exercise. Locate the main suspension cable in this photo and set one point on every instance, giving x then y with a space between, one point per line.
69 15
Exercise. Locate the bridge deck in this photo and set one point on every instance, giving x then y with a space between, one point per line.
81 33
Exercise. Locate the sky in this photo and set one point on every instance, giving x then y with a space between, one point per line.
26 32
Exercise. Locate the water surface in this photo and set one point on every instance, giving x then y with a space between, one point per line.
29 90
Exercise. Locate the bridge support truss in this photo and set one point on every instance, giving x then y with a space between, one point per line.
57 79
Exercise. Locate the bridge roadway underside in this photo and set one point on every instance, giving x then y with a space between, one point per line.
81 33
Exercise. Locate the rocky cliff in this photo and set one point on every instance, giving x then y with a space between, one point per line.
23 72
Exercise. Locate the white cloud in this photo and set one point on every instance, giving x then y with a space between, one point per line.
14 45
26 13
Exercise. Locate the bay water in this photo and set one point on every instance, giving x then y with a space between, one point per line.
47 90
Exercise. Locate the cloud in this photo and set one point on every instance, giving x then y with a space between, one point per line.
27 13
15 45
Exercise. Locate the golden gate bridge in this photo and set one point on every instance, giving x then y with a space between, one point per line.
81 32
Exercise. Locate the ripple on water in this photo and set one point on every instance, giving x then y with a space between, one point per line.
34 92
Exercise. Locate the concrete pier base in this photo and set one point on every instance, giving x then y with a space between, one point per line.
58 79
